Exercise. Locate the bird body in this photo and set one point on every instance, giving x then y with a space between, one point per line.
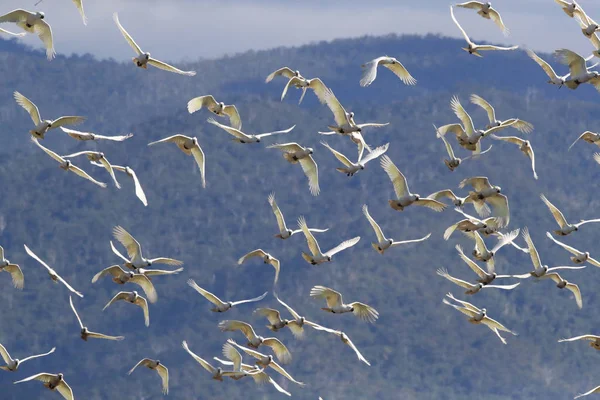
317 257
33 22
155 365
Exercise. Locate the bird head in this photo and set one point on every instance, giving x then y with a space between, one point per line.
230 304
40 15
101 155
131 274
576 228
310 150
328 258
148 263
297 73
351 309
195 141
302 319
289 231
60 376
219 371
135 293
417 196
257 140
390 240
270 358
147 55
498 189
157 362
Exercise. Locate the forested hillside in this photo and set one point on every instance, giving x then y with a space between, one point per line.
419 348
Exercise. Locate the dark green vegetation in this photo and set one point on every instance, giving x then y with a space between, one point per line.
419 348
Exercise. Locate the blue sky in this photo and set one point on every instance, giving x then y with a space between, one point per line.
202 29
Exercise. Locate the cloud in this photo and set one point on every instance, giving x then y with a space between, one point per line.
189 29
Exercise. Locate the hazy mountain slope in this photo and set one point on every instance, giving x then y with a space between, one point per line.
419 348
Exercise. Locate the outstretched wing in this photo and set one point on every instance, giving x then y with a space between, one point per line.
311 170
166 67
374 224
28 105
397 178
127 36
342 246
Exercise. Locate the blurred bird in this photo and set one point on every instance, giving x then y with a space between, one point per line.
12 364
190 146
33 22
53 382
524 146
53 275
520 125
594 340
296 80
221 306
317 256
87 136
139 192
294 153
589 137
155 365
346 340
142 59
217 108
96 156
336 305
579 257
86 333
281 351
242 137
133 298
267 259
43 126
217 373
472 288
257 374
384 243
565 227
486 10
351 168
475 48
121 277
134 251
370 71
404 197
284 231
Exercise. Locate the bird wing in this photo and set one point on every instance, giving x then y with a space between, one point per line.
177 139
205 293
61 280
16 274
197 103
163 372
397 178
492 323
127 36
374 225
232 131
67 120
283 372
109 168
341 158
358 354
575 62
290 309
198 155
594 390
376 152
262 135
117 297
495 16
504 287
18 15
585 136
96 335
42 377
28 105
313 245
582 337
155 272
478 183
401 72
490 47
444 273
75 312
201 361
286 147
481 102
475 5
339 112
319 89
332 297
146 285
429 203
113 270
311 170
143 361
545 66
167 67
5 354
232 325
277 212
281 351
167 261
472 264
558 216
44 32
370 72
35 257
79 5
583 222
504 239
342 246
11 33
232 354
464 117
234 116
254 253
402 242
139 191
364 311
518 124
577 293
535 258
448 147
568 248
252 300
460 27
37 355
271 314
131 245
500 204
285 71
65 390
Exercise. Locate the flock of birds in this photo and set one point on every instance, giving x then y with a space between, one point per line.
490 204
